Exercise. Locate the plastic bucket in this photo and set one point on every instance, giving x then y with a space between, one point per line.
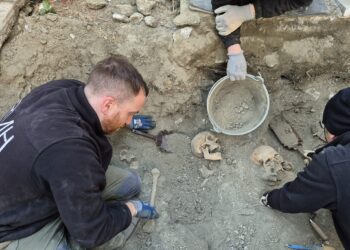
238 107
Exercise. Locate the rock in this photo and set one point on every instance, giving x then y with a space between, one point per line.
186 32
272 60
125 156
52 17
96 4
151 21
43 42
8 16
148 227
186 20
145 6
206 172
136 18
189 56
186 17
313 92
134 164
125 9
120 18
28 10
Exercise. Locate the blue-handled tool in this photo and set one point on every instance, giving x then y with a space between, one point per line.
298 247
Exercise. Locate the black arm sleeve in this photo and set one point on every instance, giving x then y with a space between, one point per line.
271 8
314 188
263 8
75 178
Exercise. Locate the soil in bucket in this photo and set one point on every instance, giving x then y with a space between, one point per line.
235 107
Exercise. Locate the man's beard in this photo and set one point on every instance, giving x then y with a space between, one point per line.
109 126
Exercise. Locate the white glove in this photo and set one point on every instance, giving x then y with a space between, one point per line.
236 66
233 17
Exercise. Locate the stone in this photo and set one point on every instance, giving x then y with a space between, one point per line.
145 6
124 155
272 60
120 18
125 9
186 32
186 17
135 164
96 4
28 10
189 56
151 21
52 17
8 16
136 18
206 172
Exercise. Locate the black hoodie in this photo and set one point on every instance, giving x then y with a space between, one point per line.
53 159
325 183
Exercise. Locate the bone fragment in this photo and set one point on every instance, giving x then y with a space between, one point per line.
211 156
155 173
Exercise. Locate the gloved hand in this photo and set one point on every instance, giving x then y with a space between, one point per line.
236 66
233 17
264 200
142 122
144 210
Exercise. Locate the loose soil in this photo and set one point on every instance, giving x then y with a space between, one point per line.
203 205
234 107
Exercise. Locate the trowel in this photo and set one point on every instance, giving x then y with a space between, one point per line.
287 136
159 139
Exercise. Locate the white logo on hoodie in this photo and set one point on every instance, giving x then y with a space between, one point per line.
5 138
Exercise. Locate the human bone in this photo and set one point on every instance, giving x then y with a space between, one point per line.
272 162
206 145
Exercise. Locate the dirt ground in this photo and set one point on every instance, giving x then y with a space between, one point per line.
203 205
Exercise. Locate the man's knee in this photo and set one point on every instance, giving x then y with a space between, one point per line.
131 185
122 184
135 181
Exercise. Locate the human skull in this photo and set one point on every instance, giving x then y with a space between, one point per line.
272 162
206 145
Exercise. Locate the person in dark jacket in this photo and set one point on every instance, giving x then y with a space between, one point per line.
230 14
57 190
325 182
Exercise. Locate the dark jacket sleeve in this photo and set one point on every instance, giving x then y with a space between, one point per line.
70 172
263 8
314 188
